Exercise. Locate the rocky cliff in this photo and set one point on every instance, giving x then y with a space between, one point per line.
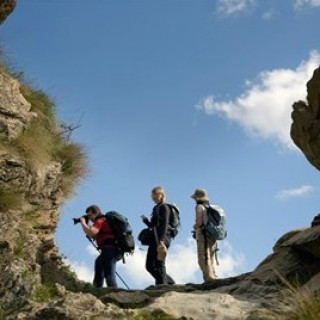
38 169
6 7
305 128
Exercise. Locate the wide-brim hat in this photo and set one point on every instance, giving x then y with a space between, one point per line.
200 195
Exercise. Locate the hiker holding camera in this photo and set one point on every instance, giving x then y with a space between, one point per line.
160 237
100 231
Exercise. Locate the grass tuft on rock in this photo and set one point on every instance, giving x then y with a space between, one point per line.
306 306
44 293
43 141
73 159
10 200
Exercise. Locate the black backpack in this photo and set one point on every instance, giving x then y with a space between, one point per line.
174 221
122 231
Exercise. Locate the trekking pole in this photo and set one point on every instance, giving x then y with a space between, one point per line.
117 274
90 240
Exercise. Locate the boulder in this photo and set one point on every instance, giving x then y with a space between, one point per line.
305 128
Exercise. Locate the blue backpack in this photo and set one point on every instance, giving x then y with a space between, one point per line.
216 225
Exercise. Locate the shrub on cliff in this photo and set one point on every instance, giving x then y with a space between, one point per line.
45 139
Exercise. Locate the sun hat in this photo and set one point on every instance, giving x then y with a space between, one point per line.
200 195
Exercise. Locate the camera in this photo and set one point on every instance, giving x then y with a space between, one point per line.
77 220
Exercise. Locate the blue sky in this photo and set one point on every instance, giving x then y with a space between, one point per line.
183 94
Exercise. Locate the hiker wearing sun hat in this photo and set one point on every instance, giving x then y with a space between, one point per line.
205 246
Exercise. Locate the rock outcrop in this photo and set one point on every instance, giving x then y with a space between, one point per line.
6 7
36 169
305 128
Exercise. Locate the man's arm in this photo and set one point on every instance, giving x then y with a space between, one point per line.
88 230
199 216
164 217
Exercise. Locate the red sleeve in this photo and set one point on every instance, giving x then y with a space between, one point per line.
98 224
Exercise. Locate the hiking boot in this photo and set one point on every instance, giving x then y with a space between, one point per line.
210 280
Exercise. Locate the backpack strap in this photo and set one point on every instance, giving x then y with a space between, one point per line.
157 221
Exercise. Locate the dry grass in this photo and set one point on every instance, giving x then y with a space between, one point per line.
73 159
43 142
35 144
301 303
305 306
10 200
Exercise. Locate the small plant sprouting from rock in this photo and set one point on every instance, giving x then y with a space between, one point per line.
31 215
44 293
2 314
10 200
19 244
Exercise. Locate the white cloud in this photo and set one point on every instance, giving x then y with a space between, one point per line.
133 271
229 7
298 4
264 109
92 250
268 14
182 265
294 192
81 269
231 263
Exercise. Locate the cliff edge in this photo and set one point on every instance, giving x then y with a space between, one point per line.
305 128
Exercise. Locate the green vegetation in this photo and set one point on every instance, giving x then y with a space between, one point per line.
19 244
27 275
31 215
45 139
44 293
10 200
2 314
72 157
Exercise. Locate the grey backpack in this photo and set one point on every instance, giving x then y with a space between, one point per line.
216 225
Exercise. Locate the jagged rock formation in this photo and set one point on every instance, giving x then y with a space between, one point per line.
305 129
36 169
6 7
